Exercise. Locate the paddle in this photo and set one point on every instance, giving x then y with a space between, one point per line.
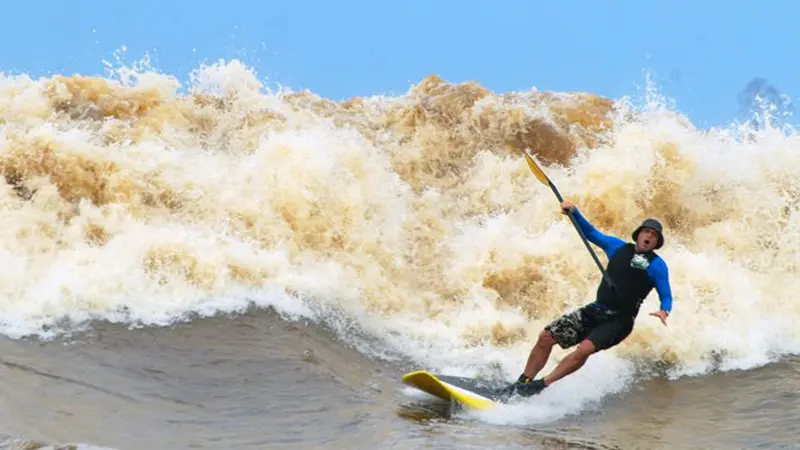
546 181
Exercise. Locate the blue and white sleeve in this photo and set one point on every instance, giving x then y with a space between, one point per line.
609 244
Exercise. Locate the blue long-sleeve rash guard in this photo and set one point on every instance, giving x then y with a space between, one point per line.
657 271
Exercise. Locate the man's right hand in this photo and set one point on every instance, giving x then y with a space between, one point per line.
567 206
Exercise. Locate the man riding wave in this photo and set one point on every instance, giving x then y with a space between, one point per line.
635 269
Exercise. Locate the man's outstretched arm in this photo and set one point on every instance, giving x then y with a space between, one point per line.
659 274
609 244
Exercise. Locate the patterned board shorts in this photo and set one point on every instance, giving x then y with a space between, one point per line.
603 328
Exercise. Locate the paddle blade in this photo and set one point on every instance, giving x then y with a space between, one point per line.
536 170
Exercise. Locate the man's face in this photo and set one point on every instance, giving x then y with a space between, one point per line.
647 240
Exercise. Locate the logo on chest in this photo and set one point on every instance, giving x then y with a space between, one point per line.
640 262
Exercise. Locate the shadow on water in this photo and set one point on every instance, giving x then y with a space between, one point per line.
425 412
436 417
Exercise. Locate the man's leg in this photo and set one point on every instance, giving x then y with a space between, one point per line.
571 362
602 337
566 331
539 354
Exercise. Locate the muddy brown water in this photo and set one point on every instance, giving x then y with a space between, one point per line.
258 381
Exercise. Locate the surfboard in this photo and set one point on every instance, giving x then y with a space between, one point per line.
470 392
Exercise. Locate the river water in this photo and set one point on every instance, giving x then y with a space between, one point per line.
258 381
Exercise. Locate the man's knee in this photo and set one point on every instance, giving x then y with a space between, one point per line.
546 339
586 348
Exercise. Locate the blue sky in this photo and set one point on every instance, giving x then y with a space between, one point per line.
701 54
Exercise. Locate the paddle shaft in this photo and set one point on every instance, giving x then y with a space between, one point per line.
583 237
544 179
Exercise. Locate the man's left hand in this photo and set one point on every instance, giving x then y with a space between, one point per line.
661 315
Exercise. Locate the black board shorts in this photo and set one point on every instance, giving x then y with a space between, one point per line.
602 327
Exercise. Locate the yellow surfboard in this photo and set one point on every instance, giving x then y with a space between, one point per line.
470 392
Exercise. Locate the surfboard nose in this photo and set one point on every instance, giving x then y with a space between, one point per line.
472 393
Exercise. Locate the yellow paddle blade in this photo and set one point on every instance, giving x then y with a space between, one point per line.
536 170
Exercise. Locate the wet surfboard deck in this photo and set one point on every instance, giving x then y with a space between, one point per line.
470 392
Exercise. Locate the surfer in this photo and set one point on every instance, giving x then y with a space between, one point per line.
634 270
